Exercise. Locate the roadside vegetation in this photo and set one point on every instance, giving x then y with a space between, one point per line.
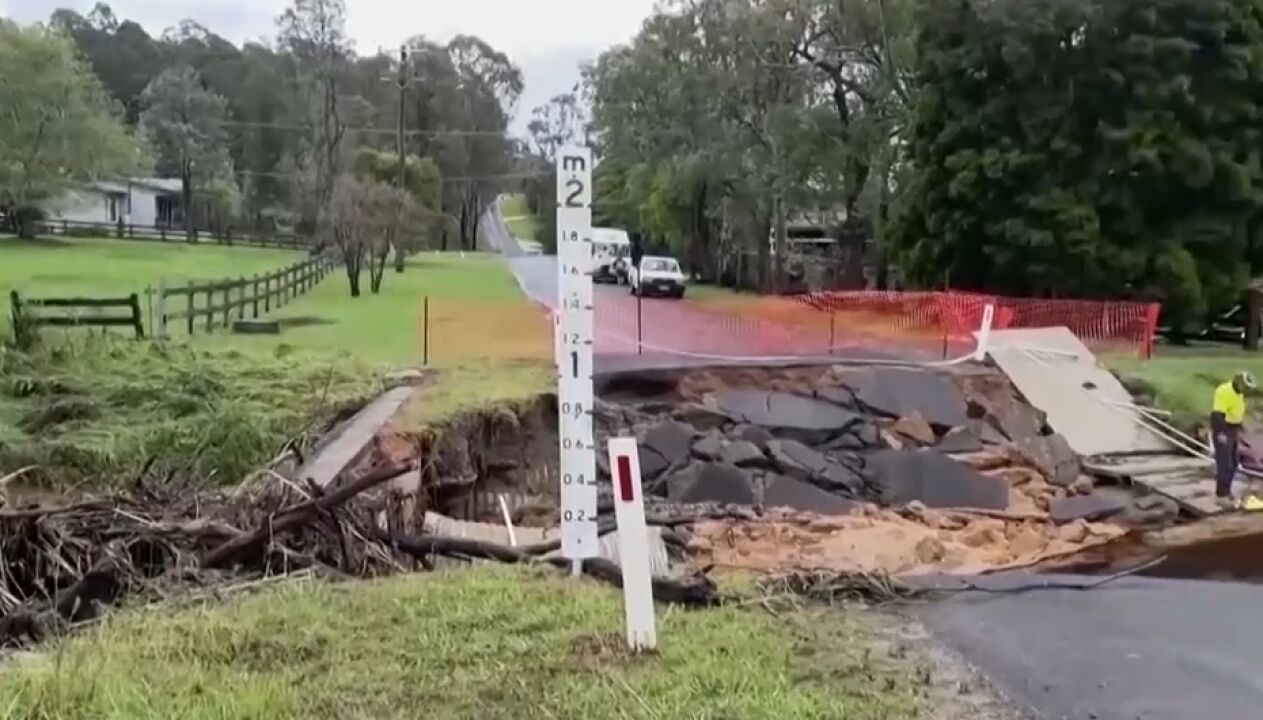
1184 378
518 218
491 642
98 411
487 343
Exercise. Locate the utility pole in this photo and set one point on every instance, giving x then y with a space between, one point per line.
403 93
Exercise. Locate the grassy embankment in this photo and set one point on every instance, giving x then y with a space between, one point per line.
489 643
1184 378
85 406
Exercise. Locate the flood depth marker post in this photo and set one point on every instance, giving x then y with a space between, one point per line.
573 345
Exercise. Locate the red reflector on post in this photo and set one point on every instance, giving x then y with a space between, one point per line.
625 493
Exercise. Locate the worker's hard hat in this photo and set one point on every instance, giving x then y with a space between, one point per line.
1246 380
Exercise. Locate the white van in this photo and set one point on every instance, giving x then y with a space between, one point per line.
611 253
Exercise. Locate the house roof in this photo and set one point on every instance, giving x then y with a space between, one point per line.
121 185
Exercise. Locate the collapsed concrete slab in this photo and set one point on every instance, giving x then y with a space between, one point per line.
899 392
899 477
1083 401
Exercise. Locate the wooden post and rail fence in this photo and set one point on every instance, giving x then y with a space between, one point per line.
205 305
172 234
198 306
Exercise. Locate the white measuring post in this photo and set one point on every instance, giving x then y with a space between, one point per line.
574 355
633 544
984 333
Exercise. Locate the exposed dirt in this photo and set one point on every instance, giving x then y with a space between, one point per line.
467 464
891 542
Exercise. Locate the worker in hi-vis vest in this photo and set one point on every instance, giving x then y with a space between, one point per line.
1226 416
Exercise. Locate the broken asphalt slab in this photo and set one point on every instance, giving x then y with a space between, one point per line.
671 440
899 477
1092 508
1145 648
802 463
805 419
896 392
1053 456
787 492
710 483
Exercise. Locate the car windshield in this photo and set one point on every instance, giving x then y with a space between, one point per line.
661 266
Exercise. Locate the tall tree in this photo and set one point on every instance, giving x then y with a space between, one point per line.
490 85
1121 159
314 34
421 215
183 121
59 128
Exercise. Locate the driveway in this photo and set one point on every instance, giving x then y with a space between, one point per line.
1137 649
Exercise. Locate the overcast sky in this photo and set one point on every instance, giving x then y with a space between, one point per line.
546 38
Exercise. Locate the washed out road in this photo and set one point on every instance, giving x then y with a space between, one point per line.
1136 649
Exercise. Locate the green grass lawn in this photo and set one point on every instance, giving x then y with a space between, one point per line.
518 218
489 342
491 642
78 266
1185 377
386 327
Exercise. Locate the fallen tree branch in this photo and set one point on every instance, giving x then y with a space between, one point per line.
38 512
82 601
694 591
297 516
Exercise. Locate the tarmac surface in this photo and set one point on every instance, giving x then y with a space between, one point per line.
1135 649
651 333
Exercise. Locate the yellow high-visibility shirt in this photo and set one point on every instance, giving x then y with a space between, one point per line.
1230 402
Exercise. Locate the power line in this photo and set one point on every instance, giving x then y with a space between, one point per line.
366 130
457 179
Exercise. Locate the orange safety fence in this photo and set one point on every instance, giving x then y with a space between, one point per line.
858 325
1103 325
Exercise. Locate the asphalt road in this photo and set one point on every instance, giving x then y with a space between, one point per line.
663 333
1137 649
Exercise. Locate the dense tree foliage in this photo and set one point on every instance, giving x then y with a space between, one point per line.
297 111
58 127
725 118
1088 148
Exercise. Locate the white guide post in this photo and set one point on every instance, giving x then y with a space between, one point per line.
574 354
984 333
633 544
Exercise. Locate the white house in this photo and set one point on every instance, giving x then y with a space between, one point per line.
143 202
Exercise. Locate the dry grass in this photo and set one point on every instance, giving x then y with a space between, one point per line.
471 331
475 385
488 643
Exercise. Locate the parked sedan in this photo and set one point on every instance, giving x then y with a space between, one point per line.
657 276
